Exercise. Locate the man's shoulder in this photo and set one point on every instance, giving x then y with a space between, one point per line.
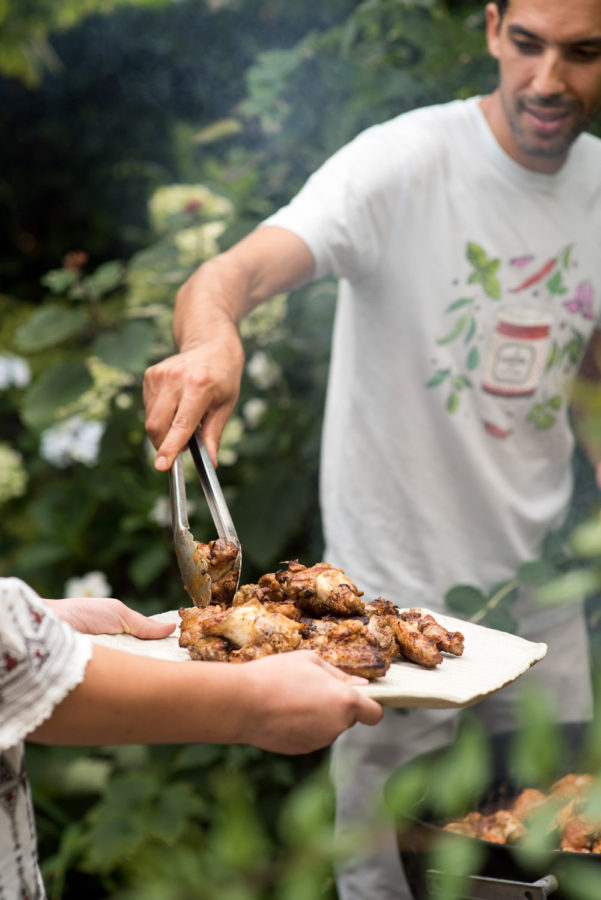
427 116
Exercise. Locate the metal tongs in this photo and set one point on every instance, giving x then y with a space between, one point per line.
192 562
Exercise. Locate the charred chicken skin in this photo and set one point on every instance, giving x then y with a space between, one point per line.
320 590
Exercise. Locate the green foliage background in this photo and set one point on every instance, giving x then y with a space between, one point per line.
148 134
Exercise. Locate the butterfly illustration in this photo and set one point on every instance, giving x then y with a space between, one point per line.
583 301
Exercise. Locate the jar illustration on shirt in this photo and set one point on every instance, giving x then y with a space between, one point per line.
517 352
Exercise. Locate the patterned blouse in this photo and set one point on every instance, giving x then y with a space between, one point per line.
41 660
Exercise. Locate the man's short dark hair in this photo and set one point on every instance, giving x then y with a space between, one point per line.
502 7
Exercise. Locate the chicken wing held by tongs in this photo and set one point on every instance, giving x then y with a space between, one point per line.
210 572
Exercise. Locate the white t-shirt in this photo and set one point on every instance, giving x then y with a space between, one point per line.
41 660
469 287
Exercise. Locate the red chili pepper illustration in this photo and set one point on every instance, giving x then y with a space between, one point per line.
536 277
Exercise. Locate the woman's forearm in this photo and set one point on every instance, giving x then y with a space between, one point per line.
290 703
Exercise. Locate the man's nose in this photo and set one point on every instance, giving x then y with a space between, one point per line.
549 75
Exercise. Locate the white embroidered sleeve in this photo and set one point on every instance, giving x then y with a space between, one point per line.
41 660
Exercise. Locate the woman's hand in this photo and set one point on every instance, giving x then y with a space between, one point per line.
106 615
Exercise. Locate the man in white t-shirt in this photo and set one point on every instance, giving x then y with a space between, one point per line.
465 240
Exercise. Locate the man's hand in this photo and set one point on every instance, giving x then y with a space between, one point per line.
198 385
105 615
202 382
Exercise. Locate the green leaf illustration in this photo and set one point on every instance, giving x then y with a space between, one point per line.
471 330
453 403
491 285
555 402
553 355
459 304
476 255
473 358
455 331
460 382
555 284
438 378
535 413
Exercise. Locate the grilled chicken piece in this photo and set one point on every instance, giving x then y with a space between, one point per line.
248 592
353 654
501 827
210 648
578 836
241 625
218 558
414 645
320 590
572 786
382 635
527 802
468 826
450 641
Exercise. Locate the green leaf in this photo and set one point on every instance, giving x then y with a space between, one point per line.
465 599
56 388
459 304
471 330
128 349
571 587
553 355
48 326
536 573
586 539
476 256
545 421
268 513
492 286
452 403
455 331
460 382
555 401
555 284
146 566
438 378
59 280
107 278
473 358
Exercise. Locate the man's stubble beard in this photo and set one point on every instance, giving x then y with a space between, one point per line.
553 148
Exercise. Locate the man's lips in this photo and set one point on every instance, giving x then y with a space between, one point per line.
547 121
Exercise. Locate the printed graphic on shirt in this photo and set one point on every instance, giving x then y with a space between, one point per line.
518 331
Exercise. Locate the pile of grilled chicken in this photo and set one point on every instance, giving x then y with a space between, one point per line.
563 809
311 608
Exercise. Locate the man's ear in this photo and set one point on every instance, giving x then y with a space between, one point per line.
493 29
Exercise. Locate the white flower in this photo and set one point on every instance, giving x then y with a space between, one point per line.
14 370
263 370
13 478
161 512
93 584
231 437
74 440
170 200
253 411
194 244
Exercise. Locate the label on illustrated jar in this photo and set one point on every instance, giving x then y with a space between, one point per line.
518 352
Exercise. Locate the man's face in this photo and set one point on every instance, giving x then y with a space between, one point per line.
549 54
